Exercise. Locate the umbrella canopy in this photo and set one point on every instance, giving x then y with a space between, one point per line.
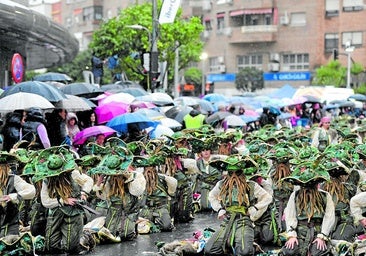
23 100
81 89
159 131
108 111
158 98
121 123
113 87
186 101
92 131
169 122
73 103
178 112
359 97
150 113
311 99
136 92
206 106
220 115
52 76
89 102
142 104
117 98
234 121
50 92
214 97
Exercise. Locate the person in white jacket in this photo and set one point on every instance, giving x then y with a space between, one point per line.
239 203
309 213
64 188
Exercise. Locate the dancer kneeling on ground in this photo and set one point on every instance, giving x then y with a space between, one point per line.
239 202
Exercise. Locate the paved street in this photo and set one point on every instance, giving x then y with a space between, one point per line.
145 244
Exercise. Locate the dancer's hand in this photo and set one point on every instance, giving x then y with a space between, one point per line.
291 242
320 244
70 201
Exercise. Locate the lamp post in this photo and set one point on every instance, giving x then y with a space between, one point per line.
203 58
349 49
140 27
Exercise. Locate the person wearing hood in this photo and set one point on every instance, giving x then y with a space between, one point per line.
194 119
34 126
72 125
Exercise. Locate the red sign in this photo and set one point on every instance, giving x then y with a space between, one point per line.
17 68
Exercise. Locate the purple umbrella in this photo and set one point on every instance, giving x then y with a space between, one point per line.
107 111
92 131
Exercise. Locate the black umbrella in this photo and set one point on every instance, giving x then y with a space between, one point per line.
220 115
52 76
178 112
50 92
82 89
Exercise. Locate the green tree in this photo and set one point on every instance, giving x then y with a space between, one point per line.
335 74
114 36
193 76
331 74
249 80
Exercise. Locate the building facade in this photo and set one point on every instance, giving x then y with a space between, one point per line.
287 39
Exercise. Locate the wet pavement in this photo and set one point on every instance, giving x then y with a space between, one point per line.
145 244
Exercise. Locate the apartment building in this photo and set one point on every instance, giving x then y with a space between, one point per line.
287 39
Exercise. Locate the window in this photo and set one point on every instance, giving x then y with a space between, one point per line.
354 37
331 8
220 21
298 19
93 13
352 5
250 61
207 24
296 61
331 42
237 21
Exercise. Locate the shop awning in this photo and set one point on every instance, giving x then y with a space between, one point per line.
237 13
257 11
220 15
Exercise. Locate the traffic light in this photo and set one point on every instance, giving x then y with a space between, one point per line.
335 54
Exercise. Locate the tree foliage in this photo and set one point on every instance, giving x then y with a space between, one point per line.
249 80
114 36
331 74
335 74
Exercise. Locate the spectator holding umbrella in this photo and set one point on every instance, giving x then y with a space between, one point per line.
34 129
12 130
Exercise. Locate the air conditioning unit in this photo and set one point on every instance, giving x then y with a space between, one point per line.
220 59
274 57
230 1
206 34
228 31
222 69
284 20
274 67
206 5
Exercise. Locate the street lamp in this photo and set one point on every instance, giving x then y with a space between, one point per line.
203 58
349 49
153 56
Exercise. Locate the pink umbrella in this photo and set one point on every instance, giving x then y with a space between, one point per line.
142 104
299 99
92 131
118 98
106 112
250 112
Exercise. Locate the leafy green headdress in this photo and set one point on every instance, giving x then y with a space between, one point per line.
53 161
308 174
235 163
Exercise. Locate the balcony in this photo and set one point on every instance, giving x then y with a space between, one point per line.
252 34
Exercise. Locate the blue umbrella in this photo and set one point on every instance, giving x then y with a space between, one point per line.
214 97
122 122
357 96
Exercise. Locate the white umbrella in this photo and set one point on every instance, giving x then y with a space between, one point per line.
160 131
23 100
73 103
170 122
234 121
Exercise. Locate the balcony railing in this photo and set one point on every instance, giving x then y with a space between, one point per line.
250 34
